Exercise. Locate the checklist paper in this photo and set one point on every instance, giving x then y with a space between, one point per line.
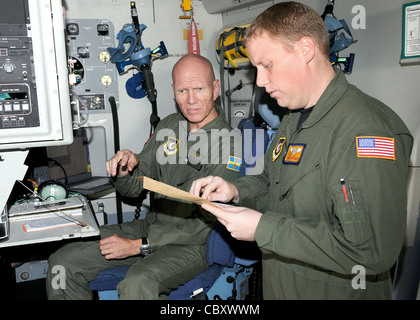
48 223
172 192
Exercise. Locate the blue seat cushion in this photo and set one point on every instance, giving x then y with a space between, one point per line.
218 247
204 280
108 279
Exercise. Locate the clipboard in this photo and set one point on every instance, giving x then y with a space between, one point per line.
169 191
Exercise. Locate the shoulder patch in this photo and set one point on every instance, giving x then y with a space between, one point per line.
375 147
234 163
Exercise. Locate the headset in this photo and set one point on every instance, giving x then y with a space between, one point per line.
53 190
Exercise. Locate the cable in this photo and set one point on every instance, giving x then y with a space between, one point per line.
116 148
79 123
56 210
66 179
115 123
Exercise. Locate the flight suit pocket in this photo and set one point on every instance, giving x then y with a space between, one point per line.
351 210
297 200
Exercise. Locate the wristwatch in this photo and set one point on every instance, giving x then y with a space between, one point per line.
145 247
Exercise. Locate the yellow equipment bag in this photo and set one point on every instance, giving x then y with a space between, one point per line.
229 45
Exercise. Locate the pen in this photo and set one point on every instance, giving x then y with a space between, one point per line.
351 194
343 187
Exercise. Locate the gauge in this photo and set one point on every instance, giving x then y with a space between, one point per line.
103 29
72 29
83 52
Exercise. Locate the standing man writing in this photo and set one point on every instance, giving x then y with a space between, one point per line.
335 176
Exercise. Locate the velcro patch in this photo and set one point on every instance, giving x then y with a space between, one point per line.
375 147
234 163
294 153
170 147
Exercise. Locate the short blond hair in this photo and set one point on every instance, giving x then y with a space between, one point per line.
288 22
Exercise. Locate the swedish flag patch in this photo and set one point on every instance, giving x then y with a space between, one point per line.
234 163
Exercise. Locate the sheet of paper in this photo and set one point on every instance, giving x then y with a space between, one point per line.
47 223
172 192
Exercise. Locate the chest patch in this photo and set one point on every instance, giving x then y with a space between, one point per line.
294 153
278 148
171 147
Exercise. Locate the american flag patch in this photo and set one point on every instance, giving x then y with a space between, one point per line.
375 147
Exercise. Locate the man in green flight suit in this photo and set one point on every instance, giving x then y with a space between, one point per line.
334 179
182 149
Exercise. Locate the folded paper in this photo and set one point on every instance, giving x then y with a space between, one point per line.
172 192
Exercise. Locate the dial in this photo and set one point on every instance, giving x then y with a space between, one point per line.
8 67
103 29
104 56
73 29
83 52
106 80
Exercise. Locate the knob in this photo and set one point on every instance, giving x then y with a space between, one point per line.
25 275
8 67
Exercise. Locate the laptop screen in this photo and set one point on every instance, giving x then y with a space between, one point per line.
71 160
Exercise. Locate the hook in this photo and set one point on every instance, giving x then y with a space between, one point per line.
329 8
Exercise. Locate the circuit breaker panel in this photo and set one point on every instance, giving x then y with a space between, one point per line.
18 97
34 96
93 78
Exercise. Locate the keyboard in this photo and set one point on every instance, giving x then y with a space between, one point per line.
45 224
30 208
68 213
91 184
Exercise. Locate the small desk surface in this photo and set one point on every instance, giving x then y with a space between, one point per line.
18 236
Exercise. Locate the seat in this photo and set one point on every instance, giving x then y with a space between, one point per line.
229 261
261 129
